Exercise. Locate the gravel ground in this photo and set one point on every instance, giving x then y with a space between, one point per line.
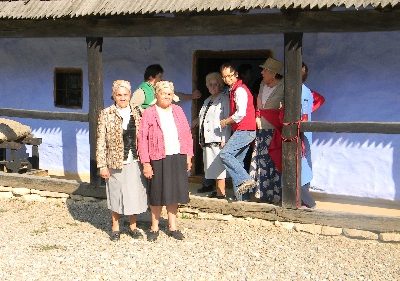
55 241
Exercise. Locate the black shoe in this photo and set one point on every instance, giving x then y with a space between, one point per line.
205 189
152 235
115 235
215 195
231 199
177 234
135 234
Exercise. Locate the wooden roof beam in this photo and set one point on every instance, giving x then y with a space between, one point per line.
131 26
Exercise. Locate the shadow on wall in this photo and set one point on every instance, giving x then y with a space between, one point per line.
364 157
64 149
70 152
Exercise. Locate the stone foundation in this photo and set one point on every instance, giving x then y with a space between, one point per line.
184 212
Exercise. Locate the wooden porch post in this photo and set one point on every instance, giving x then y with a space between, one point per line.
291 150
96 101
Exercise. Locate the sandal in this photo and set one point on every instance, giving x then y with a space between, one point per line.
177 234
152 235
135 234
205 189
215 195
114 236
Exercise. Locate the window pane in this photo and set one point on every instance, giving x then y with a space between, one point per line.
68 87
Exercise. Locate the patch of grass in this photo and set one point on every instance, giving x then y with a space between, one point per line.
185 216
43 229
48 247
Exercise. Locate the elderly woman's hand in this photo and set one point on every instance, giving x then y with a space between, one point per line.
258 123
189 163
104 173
147 171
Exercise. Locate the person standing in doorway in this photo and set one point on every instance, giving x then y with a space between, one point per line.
211 137
243 124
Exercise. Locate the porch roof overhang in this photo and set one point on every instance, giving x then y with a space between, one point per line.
127 18
52 9
285 21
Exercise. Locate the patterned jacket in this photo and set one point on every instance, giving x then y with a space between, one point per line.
110 145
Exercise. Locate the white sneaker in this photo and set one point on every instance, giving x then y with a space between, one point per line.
245 186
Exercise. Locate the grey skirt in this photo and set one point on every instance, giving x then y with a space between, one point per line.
126 190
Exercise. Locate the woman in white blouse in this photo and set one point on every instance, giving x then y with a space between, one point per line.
211 136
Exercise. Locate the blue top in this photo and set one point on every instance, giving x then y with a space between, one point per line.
306 108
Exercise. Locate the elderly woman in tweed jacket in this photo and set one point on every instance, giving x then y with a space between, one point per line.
117 159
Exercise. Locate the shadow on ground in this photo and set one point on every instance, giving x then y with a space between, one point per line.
98 215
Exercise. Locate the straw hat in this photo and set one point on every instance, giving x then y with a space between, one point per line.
273 65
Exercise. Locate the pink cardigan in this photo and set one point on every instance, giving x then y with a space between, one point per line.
151 140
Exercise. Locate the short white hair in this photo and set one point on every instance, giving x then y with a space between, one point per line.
214 76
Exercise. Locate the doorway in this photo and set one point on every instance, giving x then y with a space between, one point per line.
206 61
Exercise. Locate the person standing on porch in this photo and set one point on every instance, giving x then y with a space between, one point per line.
243 124
310 101
116 155
212 137
263 169
165 149
144 96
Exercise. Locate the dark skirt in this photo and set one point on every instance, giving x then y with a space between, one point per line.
263 171
170 184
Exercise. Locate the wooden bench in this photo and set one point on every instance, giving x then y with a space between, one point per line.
15 164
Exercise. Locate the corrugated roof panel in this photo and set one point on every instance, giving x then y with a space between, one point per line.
25 10
151 6
37 10
113 8
125 7
86 7
137 7
34 9
94 8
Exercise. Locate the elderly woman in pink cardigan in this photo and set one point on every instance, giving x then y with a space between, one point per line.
165 148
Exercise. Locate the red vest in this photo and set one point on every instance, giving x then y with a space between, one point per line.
248 123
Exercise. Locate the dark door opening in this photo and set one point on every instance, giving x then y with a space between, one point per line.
205 62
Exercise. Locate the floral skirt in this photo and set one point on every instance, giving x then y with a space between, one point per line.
263 171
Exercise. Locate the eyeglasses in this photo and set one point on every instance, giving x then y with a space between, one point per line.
228 76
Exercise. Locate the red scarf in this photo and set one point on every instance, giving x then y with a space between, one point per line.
275 117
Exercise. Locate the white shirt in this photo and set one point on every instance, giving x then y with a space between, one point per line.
266 92
241 104
170 132
125 113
